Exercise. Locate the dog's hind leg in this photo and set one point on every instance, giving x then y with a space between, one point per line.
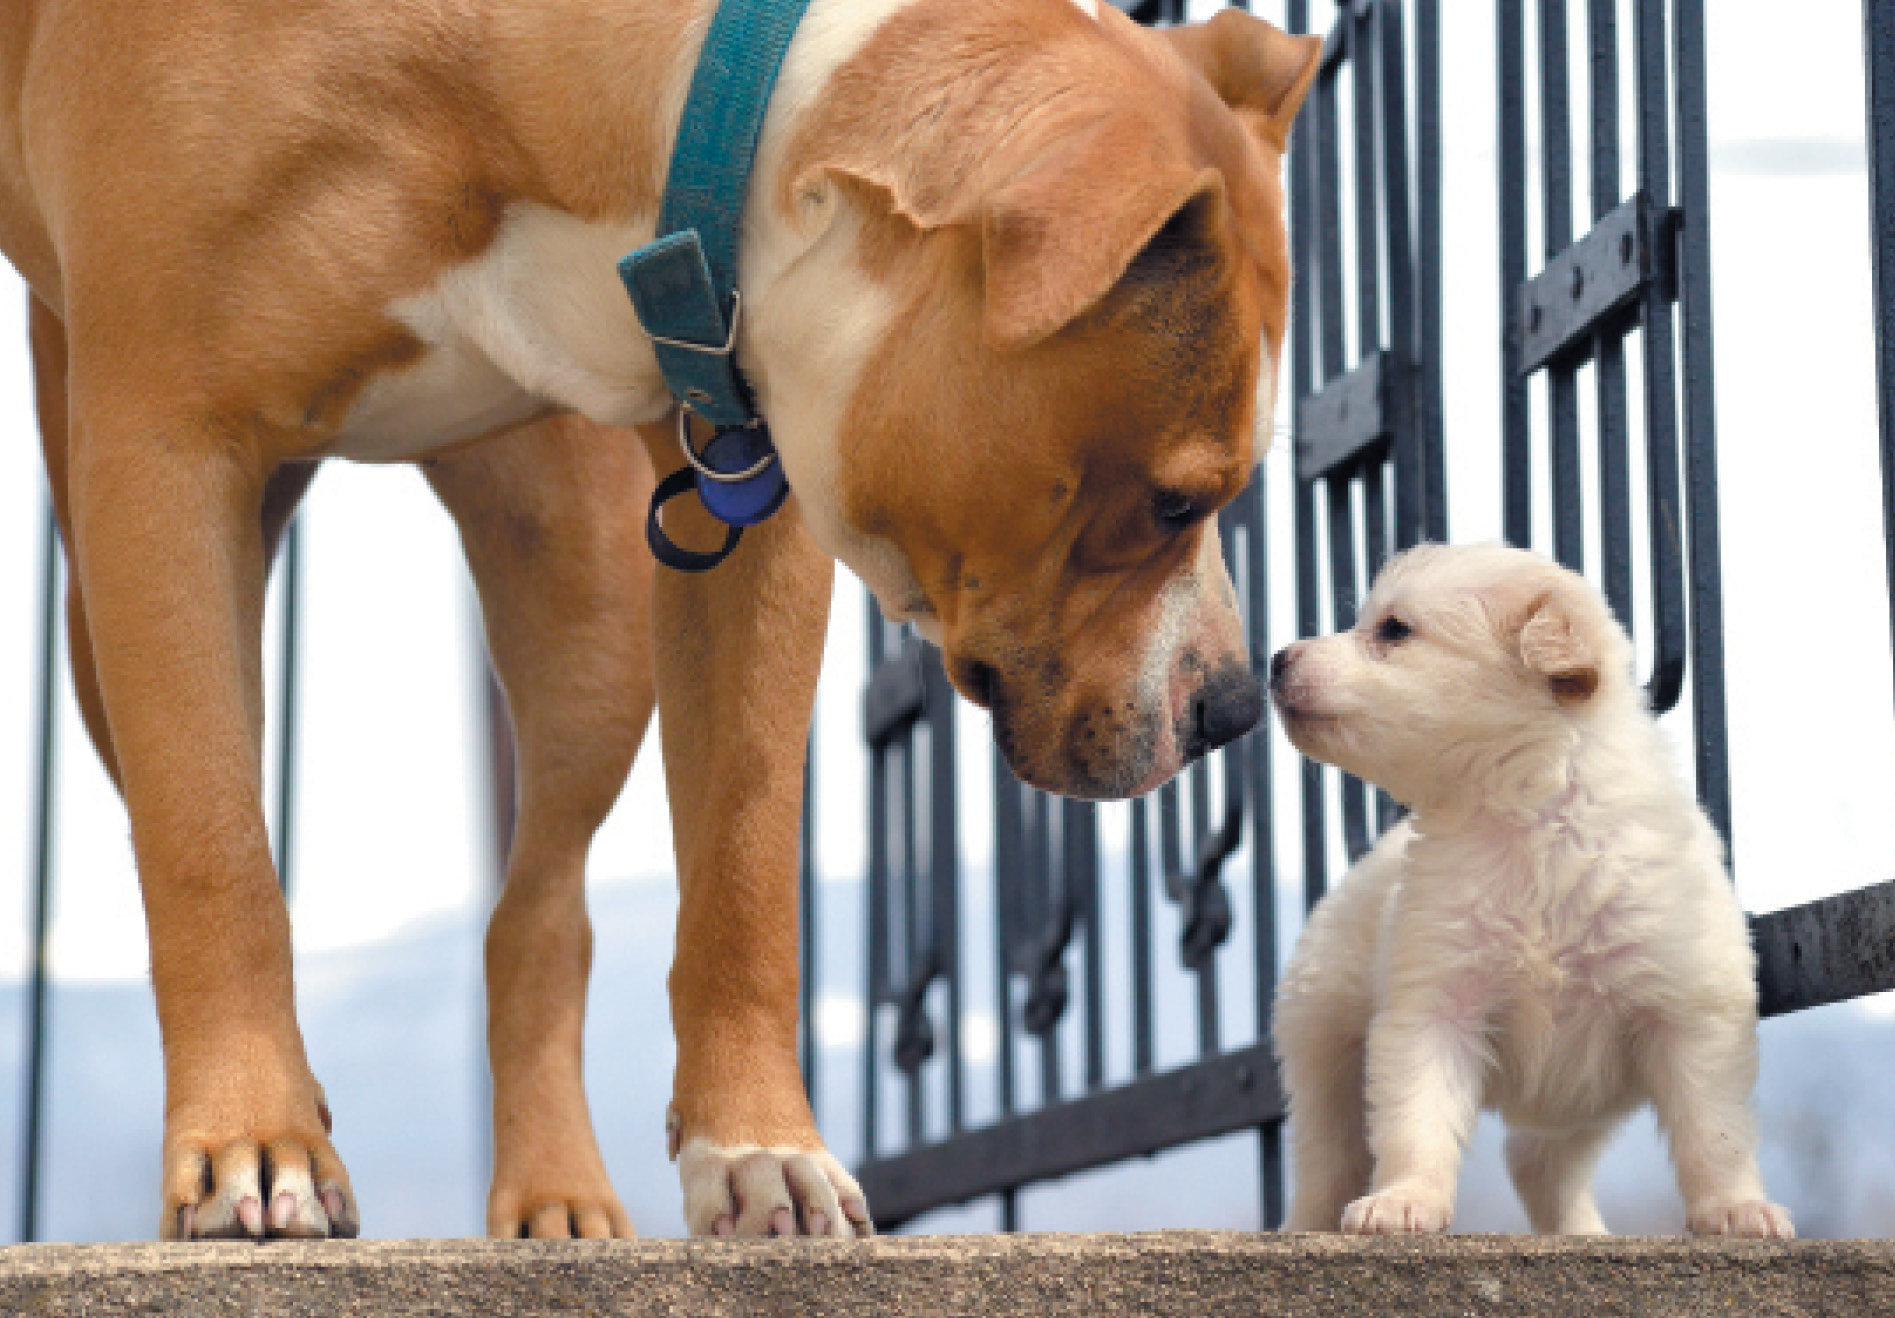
552 518
1553 1175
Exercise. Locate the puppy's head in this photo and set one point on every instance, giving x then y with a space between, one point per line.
1468 666
1065 237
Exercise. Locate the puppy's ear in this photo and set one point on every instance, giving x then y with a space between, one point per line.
1552 646
1255 68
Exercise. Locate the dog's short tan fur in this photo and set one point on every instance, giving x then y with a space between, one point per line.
1550 933
1014 275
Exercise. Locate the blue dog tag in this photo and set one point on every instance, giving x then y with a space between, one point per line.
744 502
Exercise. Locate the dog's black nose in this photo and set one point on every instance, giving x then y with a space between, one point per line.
1226 707
1279 665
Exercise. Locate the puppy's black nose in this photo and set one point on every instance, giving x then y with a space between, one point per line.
1279 665
1226 707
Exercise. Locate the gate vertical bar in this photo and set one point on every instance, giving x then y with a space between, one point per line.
42 902
875 968
1432 424
1878 19
1615 488
1556 191
289 674
1700 420
806 921
1661 395
1515 412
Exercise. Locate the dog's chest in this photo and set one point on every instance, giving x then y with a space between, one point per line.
538 321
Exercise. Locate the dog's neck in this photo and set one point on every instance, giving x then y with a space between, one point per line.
1548 781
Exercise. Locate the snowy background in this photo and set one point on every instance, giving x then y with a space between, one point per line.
394 874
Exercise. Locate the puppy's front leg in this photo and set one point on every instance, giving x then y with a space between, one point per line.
1426 1072
737 652
165 515
1700 1074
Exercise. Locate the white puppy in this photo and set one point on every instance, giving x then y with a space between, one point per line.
1550 933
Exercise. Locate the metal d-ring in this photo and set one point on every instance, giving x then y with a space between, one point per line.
697 463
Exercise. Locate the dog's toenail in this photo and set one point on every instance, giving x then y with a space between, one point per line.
819 1223
724 1227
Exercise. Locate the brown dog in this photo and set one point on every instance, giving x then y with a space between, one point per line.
1014 277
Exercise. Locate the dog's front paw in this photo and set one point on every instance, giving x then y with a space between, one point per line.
1751 1219
243 1186
746 1190
1397 1211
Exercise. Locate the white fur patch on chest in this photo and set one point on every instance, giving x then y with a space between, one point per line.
539 320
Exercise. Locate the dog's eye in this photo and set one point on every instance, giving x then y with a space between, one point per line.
1393 631
1174 511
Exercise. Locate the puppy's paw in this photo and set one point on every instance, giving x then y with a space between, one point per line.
590 1213
1397 1211
744 1190
1751 1219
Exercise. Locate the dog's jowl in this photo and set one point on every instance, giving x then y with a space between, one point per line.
1549 933
1013 278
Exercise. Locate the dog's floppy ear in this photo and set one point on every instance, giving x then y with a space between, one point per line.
1551 644
1256 68
1056 239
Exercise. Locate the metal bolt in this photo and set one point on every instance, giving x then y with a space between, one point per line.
1579 282
697 396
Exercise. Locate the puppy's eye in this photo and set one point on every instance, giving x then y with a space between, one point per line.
1173 511
1393 631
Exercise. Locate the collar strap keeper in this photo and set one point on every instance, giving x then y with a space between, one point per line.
683 284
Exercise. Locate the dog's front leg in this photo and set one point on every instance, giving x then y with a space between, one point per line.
737 652
1426 1073
1700 1074
165 515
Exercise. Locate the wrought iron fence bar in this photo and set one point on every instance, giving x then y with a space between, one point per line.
1051 973
289 701
911 935
1255 580
1304 246
1342 592
1825 951
1141 937
1428 189
1234 1091
1008 878
1515 407
943 954
40 914
1079 836
1411 481
1664 510
1700 419
1878 21
1368 285
806 922
1615 488
876 963
1556 188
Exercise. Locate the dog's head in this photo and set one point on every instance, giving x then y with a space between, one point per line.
1053 263
1467 665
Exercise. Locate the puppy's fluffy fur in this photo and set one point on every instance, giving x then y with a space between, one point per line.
1550 932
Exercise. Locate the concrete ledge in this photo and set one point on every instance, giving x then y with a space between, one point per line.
1045 1276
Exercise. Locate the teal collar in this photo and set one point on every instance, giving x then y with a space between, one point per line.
683 283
